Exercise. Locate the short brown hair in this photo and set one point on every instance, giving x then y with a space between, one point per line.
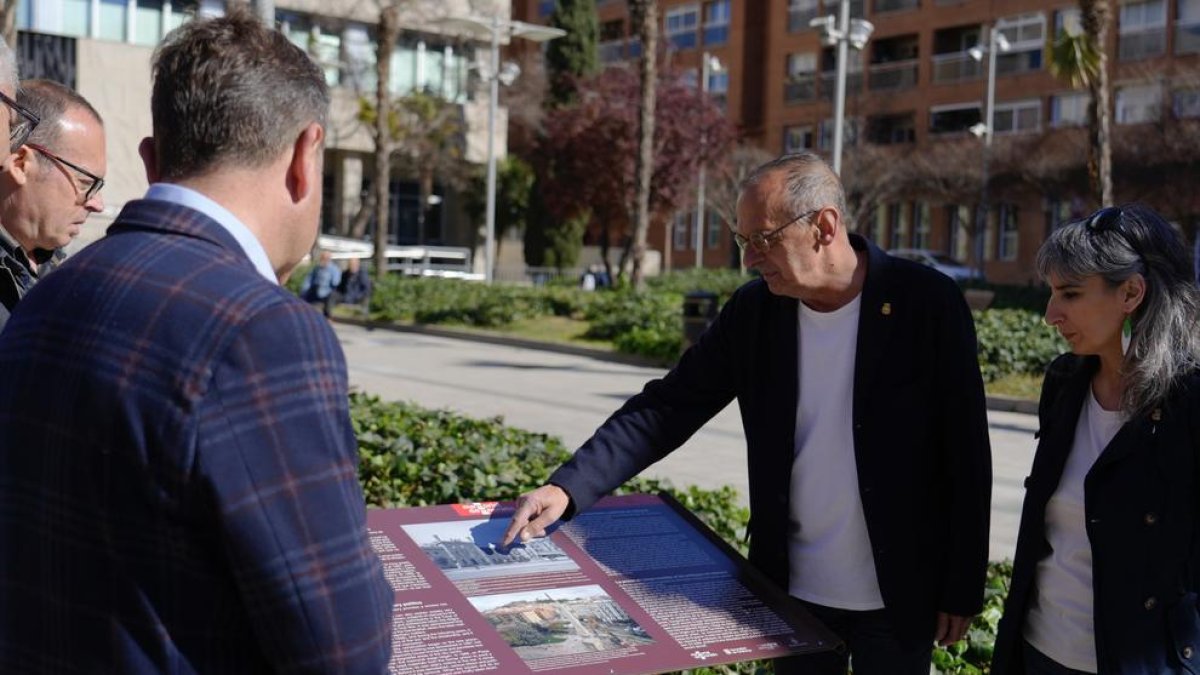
230 91
50 100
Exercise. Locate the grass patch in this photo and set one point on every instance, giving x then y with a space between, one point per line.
560 329
1019 385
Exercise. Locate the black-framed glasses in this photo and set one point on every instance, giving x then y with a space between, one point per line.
89 185
21 123
761 241
1110 219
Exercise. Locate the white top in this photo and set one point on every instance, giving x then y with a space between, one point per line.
1059 623
251 246
830 552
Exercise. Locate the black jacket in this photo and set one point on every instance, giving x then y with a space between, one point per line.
1141 502
920 432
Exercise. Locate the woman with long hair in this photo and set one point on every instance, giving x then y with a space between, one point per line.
1105 578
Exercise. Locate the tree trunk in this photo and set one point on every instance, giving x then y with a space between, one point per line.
424 190
645 13
388 30
357 227
1096 19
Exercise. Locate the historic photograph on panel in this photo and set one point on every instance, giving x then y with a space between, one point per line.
467 550
561 621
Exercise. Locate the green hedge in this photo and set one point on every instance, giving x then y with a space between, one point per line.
1029 297
1014 341
412 456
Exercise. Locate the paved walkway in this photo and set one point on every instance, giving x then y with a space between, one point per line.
569 395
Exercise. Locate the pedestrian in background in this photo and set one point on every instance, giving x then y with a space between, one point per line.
1107 567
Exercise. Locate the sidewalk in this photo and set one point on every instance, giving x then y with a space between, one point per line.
994 401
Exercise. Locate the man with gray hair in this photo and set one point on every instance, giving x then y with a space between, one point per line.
48 186
866 431
178 471
18 123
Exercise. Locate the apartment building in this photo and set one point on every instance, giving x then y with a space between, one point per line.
103 49
918 87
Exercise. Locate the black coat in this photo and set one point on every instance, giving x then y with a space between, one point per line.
920 432
1141 501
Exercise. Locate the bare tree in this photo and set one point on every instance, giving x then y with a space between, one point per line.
389 31
645 17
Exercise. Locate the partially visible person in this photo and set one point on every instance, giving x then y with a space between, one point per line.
355 287
178 470
48 186
1107 567
866 431
320 285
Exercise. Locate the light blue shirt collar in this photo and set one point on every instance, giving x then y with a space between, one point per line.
177 194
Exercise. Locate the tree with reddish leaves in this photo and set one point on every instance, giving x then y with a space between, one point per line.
594 146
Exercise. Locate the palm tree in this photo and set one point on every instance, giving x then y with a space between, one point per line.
645 17
1082 60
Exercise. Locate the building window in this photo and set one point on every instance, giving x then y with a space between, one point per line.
545 8
1009 232
849 133
679 230
1026 35
1068 110
879 225
800 12
1068 20
681 24
889 129
1059 212
1187 27
113 20
954 118
714 226
989 235
1142 31
921 225
1018 116
898 221
797 139
1185 103
359 71
958 219
1139 104
801 77
718 88
716 22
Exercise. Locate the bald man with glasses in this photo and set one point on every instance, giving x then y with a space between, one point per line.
49 185
866 432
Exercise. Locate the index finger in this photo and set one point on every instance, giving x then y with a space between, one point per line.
520 518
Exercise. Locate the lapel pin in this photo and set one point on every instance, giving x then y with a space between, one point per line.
886 309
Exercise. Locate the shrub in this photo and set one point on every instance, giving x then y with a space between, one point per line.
1029 297
723 282
1014 341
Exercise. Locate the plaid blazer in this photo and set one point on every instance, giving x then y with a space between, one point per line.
178 484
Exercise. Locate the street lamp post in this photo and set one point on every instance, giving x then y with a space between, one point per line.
494 28
708 64
847 33
986 129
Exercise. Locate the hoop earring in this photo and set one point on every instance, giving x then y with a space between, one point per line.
1126 335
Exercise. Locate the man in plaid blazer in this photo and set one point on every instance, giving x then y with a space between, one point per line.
178 484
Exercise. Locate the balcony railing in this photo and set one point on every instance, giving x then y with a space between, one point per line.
1187 38
800 88
894 5
50 57
1019 62
1141 44
854 84
955 67
892 76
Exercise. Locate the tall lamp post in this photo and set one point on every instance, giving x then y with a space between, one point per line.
496 29
986 130
709 64
846 33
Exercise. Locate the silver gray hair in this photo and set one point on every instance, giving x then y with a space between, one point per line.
8 66
809 183
1115 245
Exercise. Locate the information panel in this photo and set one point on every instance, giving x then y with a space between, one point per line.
636 584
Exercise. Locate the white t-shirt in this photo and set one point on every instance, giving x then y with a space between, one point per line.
1059 622
830 552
